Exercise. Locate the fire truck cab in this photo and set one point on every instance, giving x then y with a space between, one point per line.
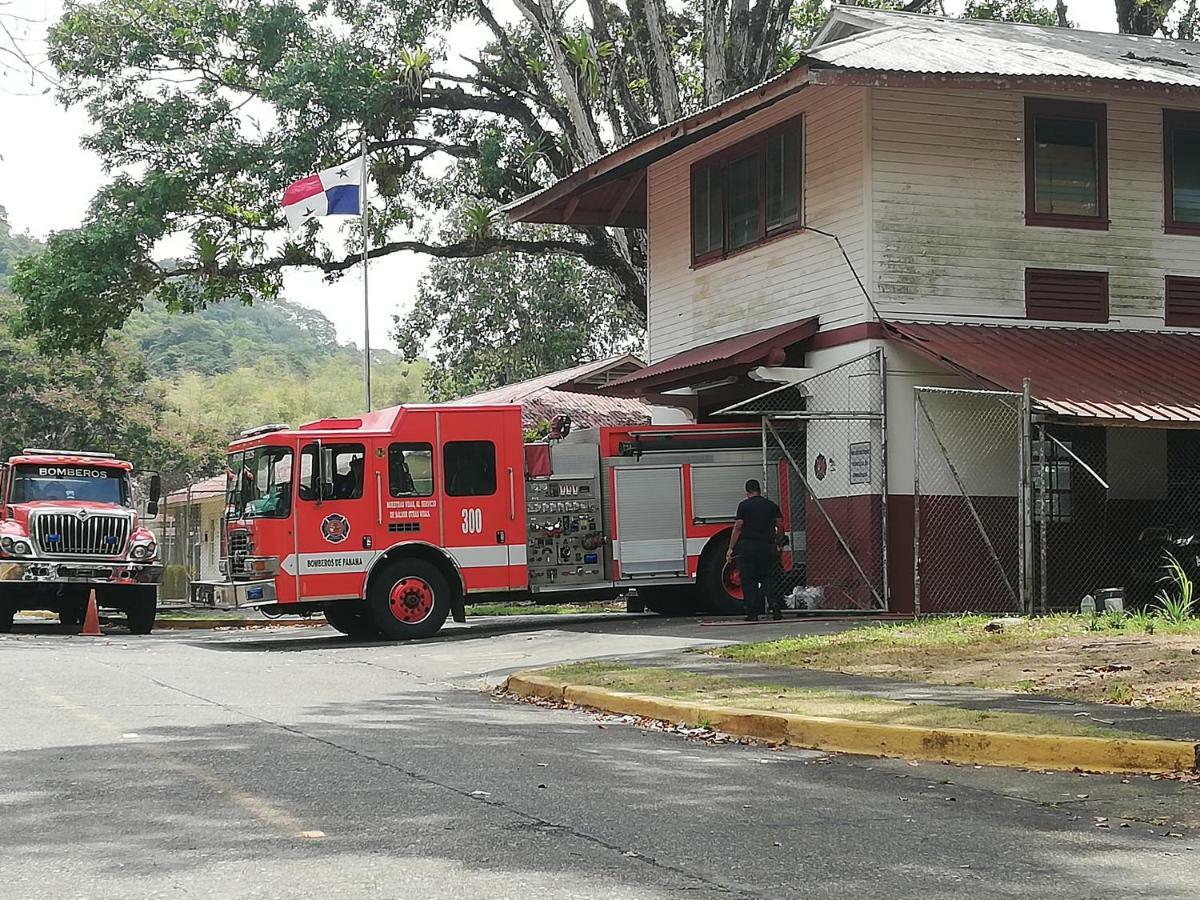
390 522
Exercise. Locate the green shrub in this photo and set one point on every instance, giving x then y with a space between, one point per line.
1175 606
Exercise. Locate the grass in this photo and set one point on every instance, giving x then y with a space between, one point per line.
554 609
720 690
1140 660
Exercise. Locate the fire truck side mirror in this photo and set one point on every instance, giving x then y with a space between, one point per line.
155 495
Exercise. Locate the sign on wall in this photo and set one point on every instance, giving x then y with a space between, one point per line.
860 463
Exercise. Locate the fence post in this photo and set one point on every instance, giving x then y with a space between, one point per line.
1025 503
916 501
883 484
1043 515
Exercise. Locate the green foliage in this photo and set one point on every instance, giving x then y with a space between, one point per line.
1176 600
809 15
228 336
13 247
1031 12
500 319
232 401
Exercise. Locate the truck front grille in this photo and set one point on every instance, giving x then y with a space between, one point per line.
92 534
239 548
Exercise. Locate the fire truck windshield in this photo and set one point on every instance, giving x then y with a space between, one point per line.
260 483
88 484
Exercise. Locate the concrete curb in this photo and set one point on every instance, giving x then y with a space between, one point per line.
951 745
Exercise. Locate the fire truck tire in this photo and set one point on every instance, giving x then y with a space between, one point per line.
141 610
408 598
350 618
73 614
711 580
8 611
679 600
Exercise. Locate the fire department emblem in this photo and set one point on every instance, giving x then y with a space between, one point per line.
335 528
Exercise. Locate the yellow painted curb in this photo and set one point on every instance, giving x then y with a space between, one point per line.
952 745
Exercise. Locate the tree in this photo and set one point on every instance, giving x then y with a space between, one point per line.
13 247
1142 16
504 318
209 108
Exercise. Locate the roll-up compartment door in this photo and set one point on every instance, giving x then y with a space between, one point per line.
650 520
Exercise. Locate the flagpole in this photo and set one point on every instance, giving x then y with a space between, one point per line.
366 227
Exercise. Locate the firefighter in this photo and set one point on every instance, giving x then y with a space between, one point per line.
754 544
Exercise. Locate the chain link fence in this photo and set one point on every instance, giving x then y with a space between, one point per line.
1111 506
970 496
824 455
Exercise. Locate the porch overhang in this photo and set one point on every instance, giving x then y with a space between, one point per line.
731 358
1114 377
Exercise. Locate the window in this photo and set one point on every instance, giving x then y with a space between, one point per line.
748 193
1064 295
1066 164
470 468
410 470
1181 175
341 471
1052 473
1183 301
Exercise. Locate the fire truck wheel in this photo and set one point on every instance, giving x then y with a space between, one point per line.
141 610
408 598
714 579
8 611
73 614
669 601
350 618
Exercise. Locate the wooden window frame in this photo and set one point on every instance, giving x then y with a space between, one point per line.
1177 318
1174 119
1066 109
1105 315
721 160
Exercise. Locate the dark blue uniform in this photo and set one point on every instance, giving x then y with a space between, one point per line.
755 549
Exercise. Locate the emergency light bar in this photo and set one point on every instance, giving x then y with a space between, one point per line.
265 429
38 451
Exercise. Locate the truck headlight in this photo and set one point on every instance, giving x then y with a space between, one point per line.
6 544
142 551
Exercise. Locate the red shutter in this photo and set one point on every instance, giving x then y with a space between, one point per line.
1183 301
1064 295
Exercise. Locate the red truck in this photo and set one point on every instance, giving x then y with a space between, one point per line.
390 522
69 525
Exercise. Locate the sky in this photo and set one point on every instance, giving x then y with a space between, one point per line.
47 180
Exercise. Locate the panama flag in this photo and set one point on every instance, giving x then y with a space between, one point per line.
331 192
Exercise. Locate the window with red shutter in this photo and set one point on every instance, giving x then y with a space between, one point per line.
1183 301
1066 295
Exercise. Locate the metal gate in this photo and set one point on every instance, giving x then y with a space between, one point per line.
971 491
824 462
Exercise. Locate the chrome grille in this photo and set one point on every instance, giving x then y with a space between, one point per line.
69 534
239 549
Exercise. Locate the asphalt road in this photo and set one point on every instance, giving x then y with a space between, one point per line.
295 763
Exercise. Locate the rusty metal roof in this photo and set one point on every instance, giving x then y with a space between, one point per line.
1138 376
877 40
718 358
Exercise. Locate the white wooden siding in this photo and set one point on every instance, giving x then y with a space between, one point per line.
948 202
795 276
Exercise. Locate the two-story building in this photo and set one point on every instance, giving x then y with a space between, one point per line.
975 204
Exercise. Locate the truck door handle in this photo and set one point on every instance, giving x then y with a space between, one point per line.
512 496
500 537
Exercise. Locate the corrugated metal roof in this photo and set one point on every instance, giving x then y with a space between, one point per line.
201 490
1140 376
699 362
922 44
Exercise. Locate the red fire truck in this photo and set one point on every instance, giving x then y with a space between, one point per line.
390 522
69 525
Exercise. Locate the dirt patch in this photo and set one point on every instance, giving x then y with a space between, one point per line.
1059 656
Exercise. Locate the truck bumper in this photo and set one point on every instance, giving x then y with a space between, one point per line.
232 594
38 571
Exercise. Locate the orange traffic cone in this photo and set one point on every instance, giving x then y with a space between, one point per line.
91 621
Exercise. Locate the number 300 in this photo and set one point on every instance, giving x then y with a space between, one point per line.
472 521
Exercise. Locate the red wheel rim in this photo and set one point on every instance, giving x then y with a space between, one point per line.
411 600
731 580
